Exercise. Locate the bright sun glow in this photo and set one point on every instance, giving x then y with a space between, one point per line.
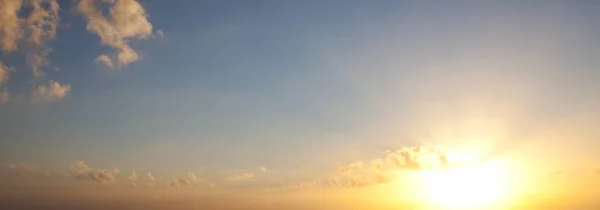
466 186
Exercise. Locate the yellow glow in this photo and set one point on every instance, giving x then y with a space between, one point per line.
467 186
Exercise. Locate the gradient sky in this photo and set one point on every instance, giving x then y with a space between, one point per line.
223 88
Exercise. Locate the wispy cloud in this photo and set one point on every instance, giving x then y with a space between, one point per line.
160 33
263 169
4 73
4 96
303 185
28 169
206 184
4 76
239 177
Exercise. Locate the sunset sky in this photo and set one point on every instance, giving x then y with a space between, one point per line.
152 104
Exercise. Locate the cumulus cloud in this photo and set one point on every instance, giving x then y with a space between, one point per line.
126 20
42 21
27 26
357 181
32 31
407 158
41 27
263 169
51 92
179 182
414 158
352 167
239 177
10 25
84 172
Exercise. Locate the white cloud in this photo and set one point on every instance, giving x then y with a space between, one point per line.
81 166
179 182
84 172
263 169
104 59
133 176
52 92
126 20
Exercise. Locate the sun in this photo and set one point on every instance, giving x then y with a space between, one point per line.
472 185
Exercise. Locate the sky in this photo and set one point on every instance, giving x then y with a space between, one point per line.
291 104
